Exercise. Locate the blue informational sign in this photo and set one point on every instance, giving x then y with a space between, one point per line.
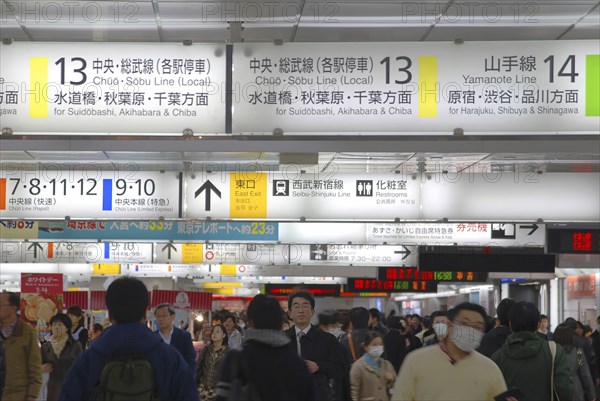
161 230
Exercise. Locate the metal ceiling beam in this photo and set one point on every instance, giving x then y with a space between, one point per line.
441 144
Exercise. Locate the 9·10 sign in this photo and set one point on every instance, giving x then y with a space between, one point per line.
574 240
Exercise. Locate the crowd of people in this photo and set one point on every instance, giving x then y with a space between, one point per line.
271 354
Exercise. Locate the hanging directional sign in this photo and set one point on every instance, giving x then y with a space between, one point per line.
103 88
359 254
257 254
252 195
500 234
76 252
178 253
417 87
94 193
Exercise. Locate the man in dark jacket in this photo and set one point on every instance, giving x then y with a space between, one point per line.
375 322
583 343
495 338
127 300
177 338
2 368
269 364
322 353
526 360
357 331
596 347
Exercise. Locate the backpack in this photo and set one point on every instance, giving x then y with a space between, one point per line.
127 377
240 388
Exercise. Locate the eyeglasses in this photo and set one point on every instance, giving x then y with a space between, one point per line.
305 306
475 325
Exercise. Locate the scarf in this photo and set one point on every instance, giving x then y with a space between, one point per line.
374 363
274 338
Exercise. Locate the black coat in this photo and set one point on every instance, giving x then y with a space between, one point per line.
2 368
60 365
182 341
493 340
323 349
275 372
596 347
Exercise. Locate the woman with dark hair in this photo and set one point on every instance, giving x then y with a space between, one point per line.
59 354
78 331
210 363
583 385
371 376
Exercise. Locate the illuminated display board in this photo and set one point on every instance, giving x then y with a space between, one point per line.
573 240
485 259
317 290
412 273
373 285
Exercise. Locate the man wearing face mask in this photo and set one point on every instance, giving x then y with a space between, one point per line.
440 327
452 370
525 359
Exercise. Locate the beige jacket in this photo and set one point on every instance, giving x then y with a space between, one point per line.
367 385
24 364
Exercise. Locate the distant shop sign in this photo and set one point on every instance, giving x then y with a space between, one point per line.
417 87
581 286
104 88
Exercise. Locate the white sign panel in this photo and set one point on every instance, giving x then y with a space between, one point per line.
76 252
293 196
512 196
473 234
363 255
100 88
156 270
417 87
257 254
93 193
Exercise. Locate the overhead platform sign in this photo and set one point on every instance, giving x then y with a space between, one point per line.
92 193
467 233
106 88
480 87
249 195
76 252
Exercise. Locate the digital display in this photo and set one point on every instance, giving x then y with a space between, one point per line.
412 273
485 259
373 285
317 290
572 240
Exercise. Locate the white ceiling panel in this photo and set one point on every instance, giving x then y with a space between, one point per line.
267 32
200 33
7 156
139 32
353 33
13 31
373 12
224 11
582 32
83 12
67 156
487 33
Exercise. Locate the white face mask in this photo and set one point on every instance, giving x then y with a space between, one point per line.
375 351
336 332
441 329
466 338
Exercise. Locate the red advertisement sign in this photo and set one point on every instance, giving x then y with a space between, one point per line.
581 286
41 297
183 299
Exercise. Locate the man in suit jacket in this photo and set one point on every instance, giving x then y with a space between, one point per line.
179 339
321 351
